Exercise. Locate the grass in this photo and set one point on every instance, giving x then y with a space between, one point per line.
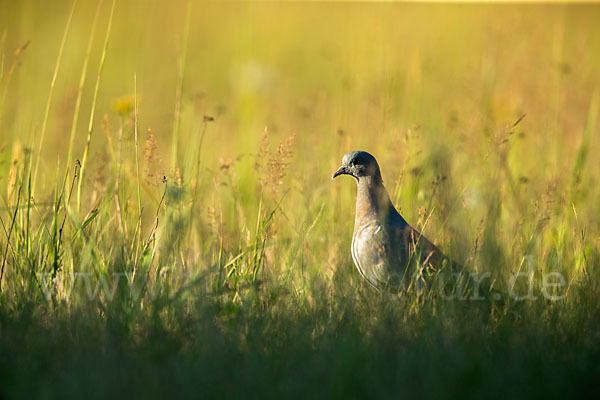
224 270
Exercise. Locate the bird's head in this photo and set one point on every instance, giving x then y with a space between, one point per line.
359 164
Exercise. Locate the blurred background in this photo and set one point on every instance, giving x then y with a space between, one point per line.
471 110
207 133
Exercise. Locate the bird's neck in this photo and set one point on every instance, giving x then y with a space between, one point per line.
372 200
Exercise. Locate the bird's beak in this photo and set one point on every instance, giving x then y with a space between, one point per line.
341 171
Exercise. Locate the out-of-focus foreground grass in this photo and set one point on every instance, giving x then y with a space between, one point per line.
169 224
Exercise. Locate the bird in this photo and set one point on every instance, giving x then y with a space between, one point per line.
389 253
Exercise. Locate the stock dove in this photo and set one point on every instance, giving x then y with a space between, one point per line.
388 253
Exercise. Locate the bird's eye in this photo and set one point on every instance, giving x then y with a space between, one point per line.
356 161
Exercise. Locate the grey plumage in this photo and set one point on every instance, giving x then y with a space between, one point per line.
387 251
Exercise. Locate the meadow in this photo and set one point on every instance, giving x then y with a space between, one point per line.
169 226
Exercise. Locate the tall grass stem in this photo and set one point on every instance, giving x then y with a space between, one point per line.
93 108
51 92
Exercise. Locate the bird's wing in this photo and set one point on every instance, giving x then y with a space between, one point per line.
365 258
377 256
419 248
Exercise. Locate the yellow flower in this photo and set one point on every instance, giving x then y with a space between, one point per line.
123 105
